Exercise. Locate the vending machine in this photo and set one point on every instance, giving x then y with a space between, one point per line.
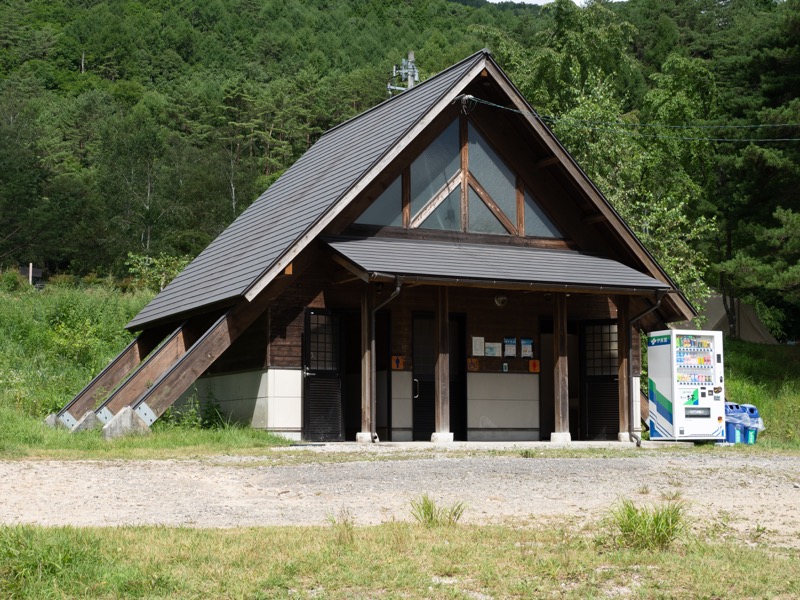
686 385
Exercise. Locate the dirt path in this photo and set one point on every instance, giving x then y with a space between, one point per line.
755 495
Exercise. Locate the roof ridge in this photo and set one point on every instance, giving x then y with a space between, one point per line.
472 57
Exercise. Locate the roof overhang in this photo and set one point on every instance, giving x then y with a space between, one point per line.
489 266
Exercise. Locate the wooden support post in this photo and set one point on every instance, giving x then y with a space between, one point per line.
623 374
560 372
365 435
176 378
193 363
144 377
442 431
109 378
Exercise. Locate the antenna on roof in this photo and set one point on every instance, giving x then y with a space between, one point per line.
407 73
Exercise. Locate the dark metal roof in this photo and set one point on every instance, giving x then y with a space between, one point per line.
491 265
238 259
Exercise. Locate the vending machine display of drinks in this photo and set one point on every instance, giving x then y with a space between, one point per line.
686 385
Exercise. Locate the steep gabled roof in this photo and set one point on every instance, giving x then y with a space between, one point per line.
266 237
241 258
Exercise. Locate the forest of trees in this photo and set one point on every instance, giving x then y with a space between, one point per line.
147 126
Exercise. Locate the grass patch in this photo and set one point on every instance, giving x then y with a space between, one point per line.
646 527
427 513
27 437
395 560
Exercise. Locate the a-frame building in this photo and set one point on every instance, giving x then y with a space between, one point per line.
434 268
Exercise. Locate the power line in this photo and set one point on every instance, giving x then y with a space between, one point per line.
618 127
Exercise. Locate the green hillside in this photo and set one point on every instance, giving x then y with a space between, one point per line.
147 126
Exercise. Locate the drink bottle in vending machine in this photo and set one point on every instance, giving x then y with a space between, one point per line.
686 389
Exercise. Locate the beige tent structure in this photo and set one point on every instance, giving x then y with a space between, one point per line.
748 325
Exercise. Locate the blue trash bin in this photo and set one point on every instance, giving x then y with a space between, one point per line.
734 423
750 432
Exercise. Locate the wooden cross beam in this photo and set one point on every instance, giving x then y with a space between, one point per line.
187 367
148 371
110 377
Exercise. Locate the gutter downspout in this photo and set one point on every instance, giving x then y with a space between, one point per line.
659 297
373 393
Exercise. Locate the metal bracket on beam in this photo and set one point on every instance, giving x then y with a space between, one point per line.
146 414
68 420
104 414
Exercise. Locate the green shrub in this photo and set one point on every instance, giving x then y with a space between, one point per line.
12 281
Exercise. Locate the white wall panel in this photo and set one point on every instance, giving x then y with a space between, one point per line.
402 384
503 406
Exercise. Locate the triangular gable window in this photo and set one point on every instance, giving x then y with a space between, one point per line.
387 208
536 222
493 175
432 169
447 215
496 201
481 218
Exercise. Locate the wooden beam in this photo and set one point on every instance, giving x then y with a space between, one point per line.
148 371
434 203
366 362
546 162
185 370
443 104
588 189
176 378
492 205
111 376
520 206
464 133
593 219
560 372
623 374
405 191
350 267
442 394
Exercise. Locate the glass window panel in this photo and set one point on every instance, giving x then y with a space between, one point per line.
434 167
536 222
493 174
481 219
447 215
387 209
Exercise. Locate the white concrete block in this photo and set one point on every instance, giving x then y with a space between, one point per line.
87 422
125 422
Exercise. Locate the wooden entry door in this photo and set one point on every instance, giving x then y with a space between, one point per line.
600 398
322 378
423 361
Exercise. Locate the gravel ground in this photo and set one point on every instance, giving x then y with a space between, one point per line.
757 495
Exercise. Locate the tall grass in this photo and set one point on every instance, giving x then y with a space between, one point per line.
647 527
767 377
52 342
426 512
